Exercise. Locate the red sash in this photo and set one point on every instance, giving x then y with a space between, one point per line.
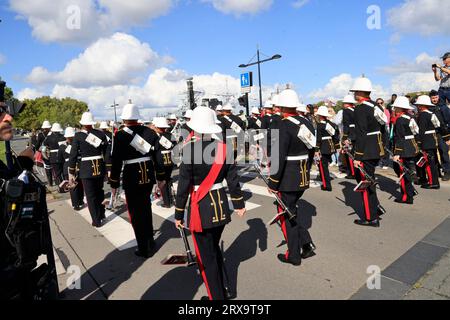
188 138
195 223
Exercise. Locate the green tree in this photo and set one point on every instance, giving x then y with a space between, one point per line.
65 111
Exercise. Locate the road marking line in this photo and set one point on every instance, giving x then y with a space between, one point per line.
116 230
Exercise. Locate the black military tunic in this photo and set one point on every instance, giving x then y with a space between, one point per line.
134 149
77 193
233 127
327 144
164 159
406 147
214 210
254 123
91 147
348 123
109 139
266 120
429 143
290 175
369 149
52 143
273 134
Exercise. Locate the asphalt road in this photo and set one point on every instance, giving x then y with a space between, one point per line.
109 270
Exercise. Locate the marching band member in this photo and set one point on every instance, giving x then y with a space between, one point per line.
202 175
134 150
52 143
290 176
348 136
90 145
327 145
405 147
164 158
77 192
369 147
428 141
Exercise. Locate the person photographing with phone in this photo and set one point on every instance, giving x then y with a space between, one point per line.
442 74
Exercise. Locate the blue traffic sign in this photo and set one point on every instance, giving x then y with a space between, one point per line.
246 80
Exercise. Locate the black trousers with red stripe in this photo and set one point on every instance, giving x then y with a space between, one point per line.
93 189
324 170
296 235
406 182
369 196
210 261
431 169
350 169
140 211
166 191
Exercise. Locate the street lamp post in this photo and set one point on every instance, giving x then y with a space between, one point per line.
275 57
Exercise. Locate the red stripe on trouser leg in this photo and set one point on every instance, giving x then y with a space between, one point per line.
322 175
365 197
430 175
284 230
200 266
402 181
352 167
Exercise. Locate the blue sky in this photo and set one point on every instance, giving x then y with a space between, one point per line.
321 40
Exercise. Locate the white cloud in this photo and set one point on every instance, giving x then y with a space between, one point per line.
240 7
426 17
49 19
412 75
339 86
422 63
300 3
29 93
2 59
110 61
413 82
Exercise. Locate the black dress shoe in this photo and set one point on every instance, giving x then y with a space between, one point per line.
408 201
364 223
283 259
97 224
446 176
326 189
431 186
308 250
141 254
350 177
204 298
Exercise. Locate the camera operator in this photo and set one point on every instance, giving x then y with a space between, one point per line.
442 74
23 217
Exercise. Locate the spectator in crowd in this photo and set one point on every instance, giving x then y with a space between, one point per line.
443 113
442 74
389 107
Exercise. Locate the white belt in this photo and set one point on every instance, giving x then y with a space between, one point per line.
232 137
374 133
166 152
92 158
217 186
297 158
352 126
326 138
409 137
430 132
139 160
54 151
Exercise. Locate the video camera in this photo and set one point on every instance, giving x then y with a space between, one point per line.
12 107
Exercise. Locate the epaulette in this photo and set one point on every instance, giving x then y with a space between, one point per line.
367 103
